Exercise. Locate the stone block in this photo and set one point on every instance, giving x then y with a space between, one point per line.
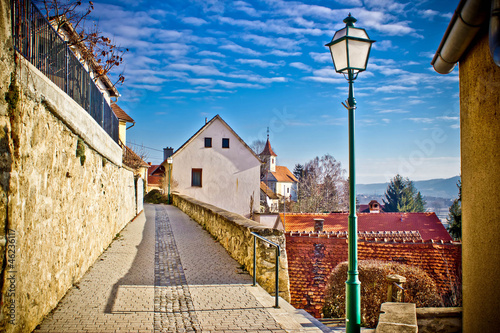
397 318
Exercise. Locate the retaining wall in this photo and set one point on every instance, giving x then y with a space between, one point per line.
233 232
63 195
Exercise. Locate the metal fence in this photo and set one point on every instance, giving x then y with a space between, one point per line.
36 39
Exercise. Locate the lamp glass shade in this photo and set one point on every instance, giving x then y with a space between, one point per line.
170 160
350 49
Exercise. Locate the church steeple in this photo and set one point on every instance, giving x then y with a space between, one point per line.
268 155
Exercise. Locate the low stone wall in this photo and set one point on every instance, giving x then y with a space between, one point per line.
233 232
439 320
63 196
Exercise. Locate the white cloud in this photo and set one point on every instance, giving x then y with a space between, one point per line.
280 53
257 78
301 65
428 13
196 69
246 8
383 45
421 120
230 85
257 62
277 42
321 57
211 54
144 86
194 21
281 27
448 118
323 79
393 88
239 49
201 81
187 91
392 111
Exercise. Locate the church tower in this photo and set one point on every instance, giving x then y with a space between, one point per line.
268 156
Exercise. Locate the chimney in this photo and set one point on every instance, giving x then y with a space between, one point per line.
167 152
374 206
318 225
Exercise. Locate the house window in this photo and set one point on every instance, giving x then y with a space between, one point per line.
287 190
196 177
225 143
208 142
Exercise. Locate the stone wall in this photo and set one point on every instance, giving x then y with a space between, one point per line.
233 232
439 320
63 197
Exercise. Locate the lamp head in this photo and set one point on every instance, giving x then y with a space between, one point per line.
350 48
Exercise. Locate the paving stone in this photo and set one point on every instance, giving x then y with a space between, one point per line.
165 274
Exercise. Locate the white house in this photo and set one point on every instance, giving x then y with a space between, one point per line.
217 167
278 178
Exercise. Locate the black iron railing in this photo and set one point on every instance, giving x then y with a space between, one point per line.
36 39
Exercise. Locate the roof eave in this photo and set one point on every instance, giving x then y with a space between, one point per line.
464 25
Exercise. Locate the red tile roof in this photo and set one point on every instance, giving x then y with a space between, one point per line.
120 114
427 224
155 180
311 259
156 170
267 150
132 160
264 188
282 174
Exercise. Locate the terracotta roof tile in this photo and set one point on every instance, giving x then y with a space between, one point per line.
155 180
264 188
282 174
311 260
427 224
267 150
131 159
120 114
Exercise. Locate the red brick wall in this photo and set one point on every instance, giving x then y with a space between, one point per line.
311 260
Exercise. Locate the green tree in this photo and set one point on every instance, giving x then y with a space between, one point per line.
455 215
298 171
402 196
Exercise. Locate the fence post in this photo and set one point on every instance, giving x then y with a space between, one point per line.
254 261
398 280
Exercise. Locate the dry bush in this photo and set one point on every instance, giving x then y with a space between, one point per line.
155 197
420 289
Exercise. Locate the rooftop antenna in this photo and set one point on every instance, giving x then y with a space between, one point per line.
268 133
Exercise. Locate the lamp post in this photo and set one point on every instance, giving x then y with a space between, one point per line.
170 160
350 49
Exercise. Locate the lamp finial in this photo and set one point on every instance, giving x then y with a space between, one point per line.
350 20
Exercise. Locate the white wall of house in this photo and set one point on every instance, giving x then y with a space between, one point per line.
289 190
230 176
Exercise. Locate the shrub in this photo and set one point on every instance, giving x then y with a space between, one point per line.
155 197
420 289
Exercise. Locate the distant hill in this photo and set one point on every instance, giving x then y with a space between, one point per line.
440 188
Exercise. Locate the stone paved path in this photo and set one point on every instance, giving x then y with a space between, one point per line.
164 273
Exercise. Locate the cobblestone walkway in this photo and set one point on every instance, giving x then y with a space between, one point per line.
164 273
173 306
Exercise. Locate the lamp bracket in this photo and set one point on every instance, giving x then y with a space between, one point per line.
347 106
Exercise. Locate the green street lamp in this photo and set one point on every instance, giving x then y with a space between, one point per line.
350 49
170 160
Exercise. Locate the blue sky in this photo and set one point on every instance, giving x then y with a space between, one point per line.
263 64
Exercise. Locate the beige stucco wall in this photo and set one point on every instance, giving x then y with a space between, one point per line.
59 214
480 154
229 177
